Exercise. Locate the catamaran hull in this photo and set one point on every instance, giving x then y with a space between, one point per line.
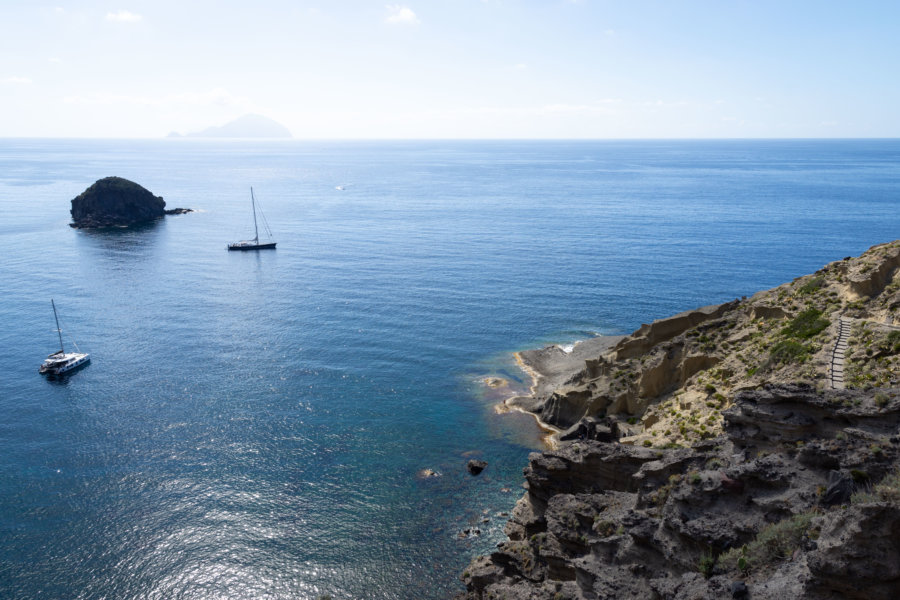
252 247
66 368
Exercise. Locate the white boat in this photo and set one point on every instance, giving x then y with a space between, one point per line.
61 361
254 243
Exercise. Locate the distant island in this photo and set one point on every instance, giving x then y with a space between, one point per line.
118 202
247 126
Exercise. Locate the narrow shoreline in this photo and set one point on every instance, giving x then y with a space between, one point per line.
549 368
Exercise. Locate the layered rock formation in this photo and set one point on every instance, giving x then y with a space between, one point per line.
706 455
117 202
799 498
676 375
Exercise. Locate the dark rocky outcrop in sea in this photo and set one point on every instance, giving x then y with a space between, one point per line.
475 466
117 202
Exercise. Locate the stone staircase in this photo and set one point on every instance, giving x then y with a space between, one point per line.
837 355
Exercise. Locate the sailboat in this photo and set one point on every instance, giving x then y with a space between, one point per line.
61 361
254 243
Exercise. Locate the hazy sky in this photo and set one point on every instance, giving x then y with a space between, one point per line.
453 68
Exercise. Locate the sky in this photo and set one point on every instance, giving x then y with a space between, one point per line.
473 69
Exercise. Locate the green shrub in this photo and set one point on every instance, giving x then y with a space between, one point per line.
812 285
773 543
604 528
789 351
892 342
886 491
806 324
714 463
707 562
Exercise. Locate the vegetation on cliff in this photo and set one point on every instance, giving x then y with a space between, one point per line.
674 377
750 449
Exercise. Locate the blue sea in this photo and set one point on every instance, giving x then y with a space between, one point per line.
255 425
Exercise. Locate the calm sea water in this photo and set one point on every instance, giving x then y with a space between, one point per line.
253 425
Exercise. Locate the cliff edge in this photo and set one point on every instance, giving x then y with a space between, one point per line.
745 450
672 378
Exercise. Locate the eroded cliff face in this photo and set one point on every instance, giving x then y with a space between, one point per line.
676 375
799 498
708 455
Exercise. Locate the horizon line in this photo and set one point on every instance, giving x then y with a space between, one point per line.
192 139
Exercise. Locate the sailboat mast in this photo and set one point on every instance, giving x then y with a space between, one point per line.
255 230
58 330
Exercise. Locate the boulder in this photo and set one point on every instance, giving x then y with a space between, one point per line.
179 211
476 466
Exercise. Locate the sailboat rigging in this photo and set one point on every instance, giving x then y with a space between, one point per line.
254 243
61 361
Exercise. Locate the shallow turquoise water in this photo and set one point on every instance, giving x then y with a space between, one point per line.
252 425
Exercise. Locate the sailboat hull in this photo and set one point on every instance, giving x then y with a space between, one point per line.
251 246
61 361
254 243
58 363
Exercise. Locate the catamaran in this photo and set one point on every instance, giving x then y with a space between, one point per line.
254 243
61 361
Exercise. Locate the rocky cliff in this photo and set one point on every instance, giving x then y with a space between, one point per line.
117 202
672 378
723 453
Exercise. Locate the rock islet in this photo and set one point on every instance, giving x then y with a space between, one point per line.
118 202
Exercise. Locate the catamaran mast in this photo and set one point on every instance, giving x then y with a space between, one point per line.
58 330
255 230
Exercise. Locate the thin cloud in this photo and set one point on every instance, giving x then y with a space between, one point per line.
16 80
123 16
400 15
601 107
577 108
216 97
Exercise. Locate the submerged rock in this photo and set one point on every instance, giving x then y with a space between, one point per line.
116 202
476 466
